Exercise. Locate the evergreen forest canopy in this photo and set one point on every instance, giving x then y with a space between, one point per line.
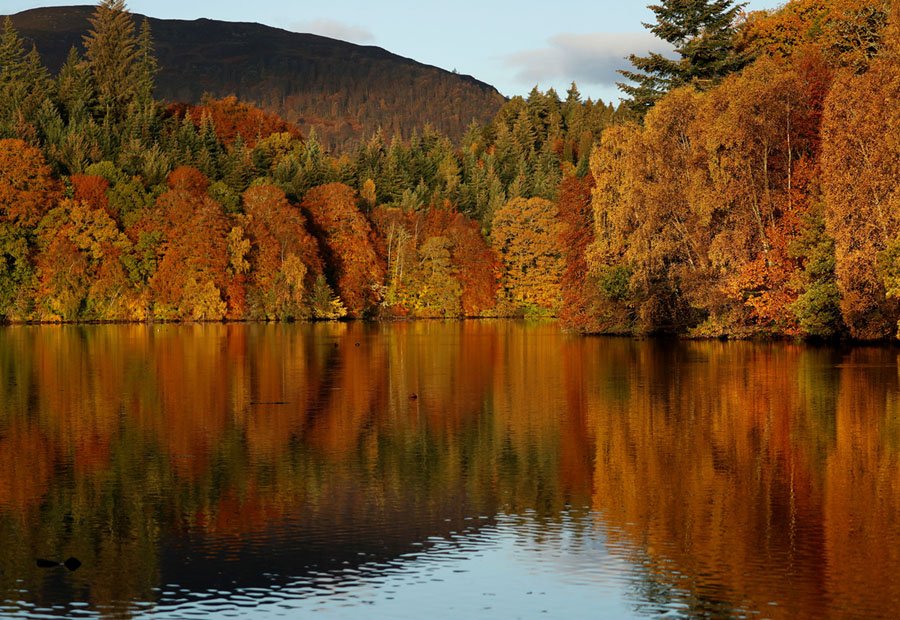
748 187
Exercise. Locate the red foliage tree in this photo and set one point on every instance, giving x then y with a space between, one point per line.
475 263
284 257
232 117
188 179
193 280
348 245
91 190
575 211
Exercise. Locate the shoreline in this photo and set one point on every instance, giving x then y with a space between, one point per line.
754 338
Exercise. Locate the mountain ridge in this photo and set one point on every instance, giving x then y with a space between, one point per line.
343 90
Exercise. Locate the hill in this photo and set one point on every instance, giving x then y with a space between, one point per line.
345 91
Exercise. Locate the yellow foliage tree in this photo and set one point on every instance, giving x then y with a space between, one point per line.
526 234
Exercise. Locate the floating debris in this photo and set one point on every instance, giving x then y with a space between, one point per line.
73 564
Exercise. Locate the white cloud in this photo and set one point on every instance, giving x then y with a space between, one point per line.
589 59
335 30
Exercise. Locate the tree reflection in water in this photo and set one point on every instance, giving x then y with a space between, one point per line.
726 477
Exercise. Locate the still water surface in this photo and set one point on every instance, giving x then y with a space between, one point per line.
443 470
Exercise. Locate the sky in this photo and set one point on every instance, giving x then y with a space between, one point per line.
512 44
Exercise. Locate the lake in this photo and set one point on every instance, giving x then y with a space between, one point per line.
481 469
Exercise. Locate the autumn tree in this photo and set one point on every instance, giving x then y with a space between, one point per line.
346 238
649 236
475 263
398 235
27 192
284 261
526 234
616 165
438 264
860 168
197 260
232 118
79 269
696 212
760 143
16 273
27 189
575 212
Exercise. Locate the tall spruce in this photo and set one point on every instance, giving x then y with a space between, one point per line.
113 54
24 85
702 33
74 91
147 64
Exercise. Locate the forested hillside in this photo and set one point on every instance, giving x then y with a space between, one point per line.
345 91
747 188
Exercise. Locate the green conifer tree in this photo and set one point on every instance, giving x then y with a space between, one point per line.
74 91
702 33
113 57
24 85
147 65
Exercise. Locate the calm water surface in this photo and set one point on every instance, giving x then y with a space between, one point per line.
443 470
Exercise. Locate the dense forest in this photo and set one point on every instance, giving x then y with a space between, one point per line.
344 91
747 187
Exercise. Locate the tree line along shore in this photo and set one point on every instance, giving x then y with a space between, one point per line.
747 186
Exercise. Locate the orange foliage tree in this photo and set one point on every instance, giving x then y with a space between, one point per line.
91 190
348 246
438 263
697 211
27 189
759 135
79 269
649 239
860 172
476 264
284 258
196 270
232 118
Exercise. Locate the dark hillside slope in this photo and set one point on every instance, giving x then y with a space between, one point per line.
345 91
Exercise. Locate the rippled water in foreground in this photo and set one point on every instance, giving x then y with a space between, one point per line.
443 470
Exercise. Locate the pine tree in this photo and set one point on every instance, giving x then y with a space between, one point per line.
148 67
702 32
74 91
24 85
113 58
12 51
